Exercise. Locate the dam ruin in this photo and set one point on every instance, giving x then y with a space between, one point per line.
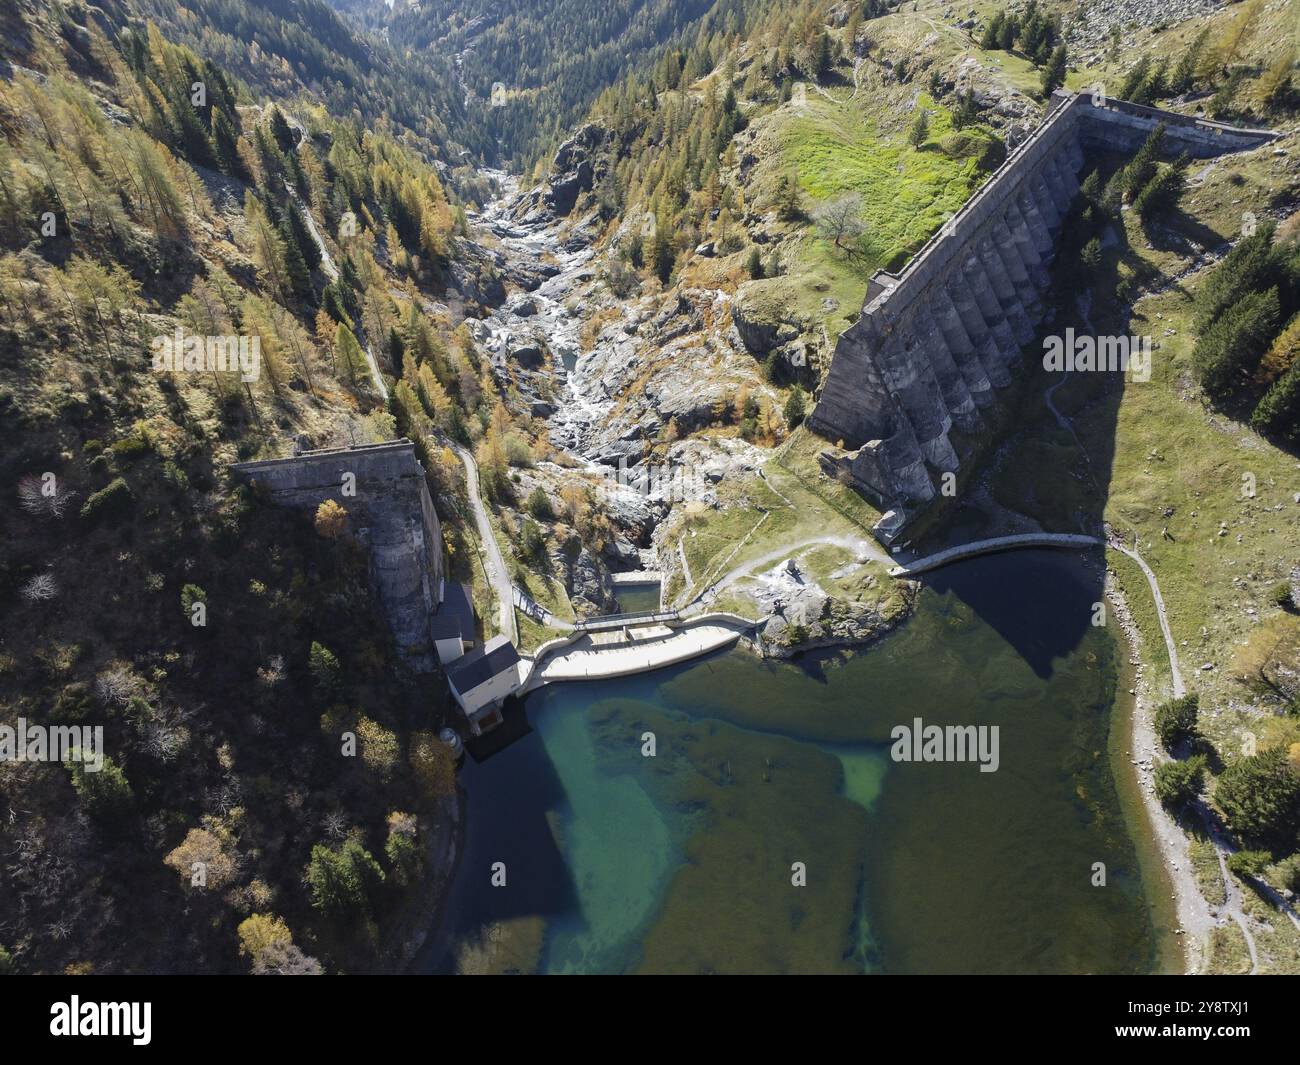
938 342
383 489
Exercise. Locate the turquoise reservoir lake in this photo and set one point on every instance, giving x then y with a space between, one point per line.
683 862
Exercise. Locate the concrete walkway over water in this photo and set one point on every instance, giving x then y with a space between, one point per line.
996 543
626 651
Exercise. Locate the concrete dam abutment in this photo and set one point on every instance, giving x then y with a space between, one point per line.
937 342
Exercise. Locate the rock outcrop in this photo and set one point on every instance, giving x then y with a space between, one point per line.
938 342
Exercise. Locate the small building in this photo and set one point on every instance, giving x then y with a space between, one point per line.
448 638
482 679
452 628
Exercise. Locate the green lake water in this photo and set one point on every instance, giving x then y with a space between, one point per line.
684 861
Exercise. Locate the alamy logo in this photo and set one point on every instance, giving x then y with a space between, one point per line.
55 743
103 1018
181 353
919 742
1109 354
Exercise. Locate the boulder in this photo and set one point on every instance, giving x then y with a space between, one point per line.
761 315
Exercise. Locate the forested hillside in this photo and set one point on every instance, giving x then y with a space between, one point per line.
227 648
551 59
300 50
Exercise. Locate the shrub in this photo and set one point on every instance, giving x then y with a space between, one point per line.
539 505
1178 783
1175 720
106 794
110 503
1249 863
1287 873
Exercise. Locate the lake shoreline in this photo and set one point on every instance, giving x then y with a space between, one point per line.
1143 754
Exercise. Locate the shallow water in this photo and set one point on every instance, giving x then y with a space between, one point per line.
641 596
685 861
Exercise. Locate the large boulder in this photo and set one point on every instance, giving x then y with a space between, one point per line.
762 316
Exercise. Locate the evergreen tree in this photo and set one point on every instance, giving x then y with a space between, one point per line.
795 408
991 40
1142 168
1278 412
295 266
225 145
1260 795
302 238
1175 720
662 257
1054 72
920 129
1184 76
1163 192
342 880
1178 783
1227 353
1135 79
326 674
1250 266
788 205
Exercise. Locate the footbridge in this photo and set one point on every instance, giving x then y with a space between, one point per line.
1074 541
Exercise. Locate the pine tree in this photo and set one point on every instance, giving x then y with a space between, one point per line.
1278 412
295 267
1142 168
1227 353
225 145
1135 79
795 408
1184 75
992 37
1252 265
788 205
662 256
302 238
1054 72
920 130
1163 191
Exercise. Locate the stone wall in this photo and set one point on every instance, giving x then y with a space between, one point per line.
938 342
390 512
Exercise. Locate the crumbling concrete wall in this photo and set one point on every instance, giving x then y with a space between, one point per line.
383 489
937 343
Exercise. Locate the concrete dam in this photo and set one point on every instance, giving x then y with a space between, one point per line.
938 342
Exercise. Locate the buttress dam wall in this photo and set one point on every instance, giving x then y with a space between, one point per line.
938 342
